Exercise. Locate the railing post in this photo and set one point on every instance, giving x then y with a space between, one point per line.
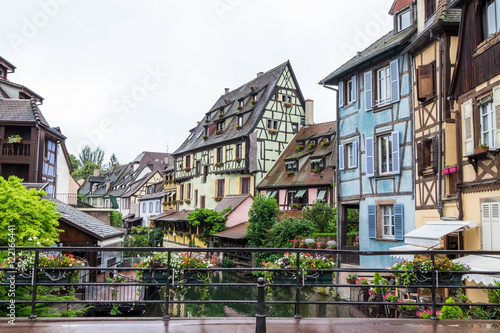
166 316
260 326
433 289
34 281
297 292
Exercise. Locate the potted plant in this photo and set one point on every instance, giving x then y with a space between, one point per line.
302 244
320 245
204 137
312 145
299 147
219 132
237 160
316 170
310 243
218 199
180 202
446 170
480 148
187 169
272 131
407 308
219 164
187 201
351 279
289 173
252 102
238 127
15 138
332 245
239 107
287 105
325 143
295 242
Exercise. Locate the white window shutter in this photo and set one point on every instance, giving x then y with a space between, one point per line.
394 69
496 108
368 91
341 157
486 226
355 154
495 226
370 158
468 128
395 153
354 89
341 93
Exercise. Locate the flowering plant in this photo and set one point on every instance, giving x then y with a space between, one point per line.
407 305
187 169
295 206
239 107
219 164
310 241
361 280
312 145
356 240
289 172
218 199
287 105
325 143
321 245
237 159
299 147
306 261
391 297
204 137
238 127
252 102
218 132
427 314
331 244
273 132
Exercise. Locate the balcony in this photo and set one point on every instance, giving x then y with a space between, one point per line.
16 149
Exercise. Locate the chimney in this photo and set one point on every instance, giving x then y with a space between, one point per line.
309 112
97 172
108 184
226 90
260 73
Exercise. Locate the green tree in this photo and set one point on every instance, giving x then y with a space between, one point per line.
85 171
116 219
74 162
282 232
210 221
95 156
35 220
262 217
156 237
323 215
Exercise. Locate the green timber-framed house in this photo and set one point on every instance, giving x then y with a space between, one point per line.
239 139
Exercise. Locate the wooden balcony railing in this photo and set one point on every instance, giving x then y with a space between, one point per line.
16 149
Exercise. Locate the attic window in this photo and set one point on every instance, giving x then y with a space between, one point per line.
430 8
404 20
318 164
291 166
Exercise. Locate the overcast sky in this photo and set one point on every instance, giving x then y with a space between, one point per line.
131 76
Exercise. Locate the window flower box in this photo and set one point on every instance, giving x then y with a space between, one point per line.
219 132
325 143
237 160
299 148
450 169
446 171
180 202
296 206
219 164
187 201
221 115
206 121
289 173
316 170
252 102
238 127
218 199
15 139
480 148
187 169
312 145
453 169
239 107
287 105
204 137
272 132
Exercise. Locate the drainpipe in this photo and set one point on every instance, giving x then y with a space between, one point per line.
37 154
440 122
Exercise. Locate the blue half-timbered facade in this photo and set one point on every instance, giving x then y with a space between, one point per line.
375 140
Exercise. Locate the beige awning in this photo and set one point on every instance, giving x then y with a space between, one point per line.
407 248
481 263
430 234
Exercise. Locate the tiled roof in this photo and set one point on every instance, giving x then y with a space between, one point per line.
177 216
236 232
384 44
276 177
85 222
263 85
232 201
21 110
23 88
398 5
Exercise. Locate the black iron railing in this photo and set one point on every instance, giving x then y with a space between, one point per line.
136 293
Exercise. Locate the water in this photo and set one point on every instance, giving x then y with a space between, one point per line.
246 293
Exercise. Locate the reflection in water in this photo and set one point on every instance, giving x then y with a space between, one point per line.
245 293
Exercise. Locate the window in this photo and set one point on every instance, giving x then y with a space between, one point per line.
188 161
286 98
349 151
240 120
245 185
426 82
385 154
347 91
240 103
427 156
239 151
430 8
198 168
188 191
490 17
318 164
150 207
298 197
195 198
487 122
144 207
295 128
220 126
157 206
272 124
383 86
291 165
385 220
220 188
220 155
404 20
181 194
2 75
49 166
490 226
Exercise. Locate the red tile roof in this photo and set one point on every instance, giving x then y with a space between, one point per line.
399 4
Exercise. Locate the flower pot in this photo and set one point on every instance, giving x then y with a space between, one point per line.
47 276
303 246
481 149
154 277
311 246
351 281
446 171
453 169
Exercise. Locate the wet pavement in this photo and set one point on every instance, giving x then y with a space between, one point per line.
244 325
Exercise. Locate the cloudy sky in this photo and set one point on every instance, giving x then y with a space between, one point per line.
130 76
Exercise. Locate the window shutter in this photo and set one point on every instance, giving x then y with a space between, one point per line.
226 186
486 226
372 221
355 154
224 154
280 97
215 155
394 68
398 221
237 186
435 155
425 82
214 188
368 91
370 158
354 88
341 93
395 153
495 225
341 157
496 106
235 153
252 186
420 157
468 128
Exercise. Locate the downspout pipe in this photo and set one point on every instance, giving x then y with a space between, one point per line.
440 123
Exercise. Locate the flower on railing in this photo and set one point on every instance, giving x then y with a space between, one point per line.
237 159
219 164
289 172
272 131
299 148
204 137
187 169
306 261
427 314
219 132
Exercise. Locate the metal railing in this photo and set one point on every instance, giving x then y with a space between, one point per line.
138 297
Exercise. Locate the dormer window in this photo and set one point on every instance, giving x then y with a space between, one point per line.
2 74
317 165
240 121
291 166
490 18
430 8
403 20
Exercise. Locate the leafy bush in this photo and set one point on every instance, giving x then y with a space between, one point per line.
135 240
282 232
156 237
227 263
210 221
116 219
322 215
262 217
451 311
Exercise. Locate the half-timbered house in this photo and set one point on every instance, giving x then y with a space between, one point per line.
375 138
239 139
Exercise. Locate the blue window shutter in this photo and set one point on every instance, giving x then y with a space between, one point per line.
355 154
395 153
368 91
341 93
355 89
394 69
370 158
372 221
398 221
341 157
